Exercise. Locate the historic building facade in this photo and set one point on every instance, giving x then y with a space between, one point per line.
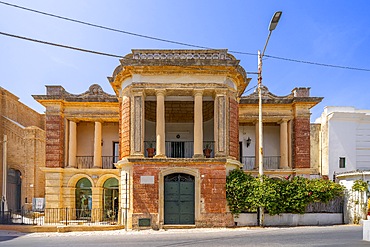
22 152
161 148
181 102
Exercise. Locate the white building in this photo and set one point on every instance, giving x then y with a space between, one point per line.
344 140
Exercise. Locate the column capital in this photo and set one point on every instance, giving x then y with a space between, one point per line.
137 92
198 92
283 120
160 92
220 92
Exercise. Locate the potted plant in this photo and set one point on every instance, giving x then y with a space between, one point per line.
150 149
207 150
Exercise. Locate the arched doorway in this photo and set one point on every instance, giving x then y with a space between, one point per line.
110 198
83 198
179 199
13 193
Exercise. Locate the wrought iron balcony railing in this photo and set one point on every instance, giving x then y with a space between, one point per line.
269 162
180 149
87 162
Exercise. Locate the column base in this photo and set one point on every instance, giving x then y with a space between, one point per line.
160 156
97 167
198 156
284 167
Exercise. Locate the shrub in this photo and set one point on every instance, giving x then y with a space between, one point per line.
246 193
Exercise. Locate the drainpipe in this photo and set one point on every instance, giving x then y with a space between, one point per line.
4 203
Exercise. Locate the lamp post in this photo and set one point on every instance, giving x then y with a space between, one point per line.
273 23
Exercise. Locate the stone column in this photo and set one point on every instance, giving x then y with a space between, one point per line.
97 145
72 144
137 123
160 125
220 124
256 147
283 144
198 124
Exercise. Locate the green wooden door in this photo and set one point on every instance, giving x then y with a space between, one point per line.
179 199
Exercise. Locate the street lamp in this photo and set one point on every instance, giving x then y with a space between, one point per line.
273 23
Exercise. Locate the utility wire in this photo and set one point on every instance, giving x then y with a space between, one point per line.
59 45
318 64
166 40
107 28
94 52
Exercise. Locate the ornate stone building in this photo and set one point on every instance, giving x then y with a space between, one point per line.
161 148
22 151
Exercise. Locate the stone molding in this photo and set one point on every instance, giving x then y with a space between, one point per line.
182 54
94 94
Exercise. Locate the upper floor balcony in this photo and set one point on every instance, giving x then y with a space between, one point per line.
269 162
180 149
87 162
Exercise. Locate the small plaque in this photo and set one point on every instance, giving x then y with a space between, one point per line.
144 222
147 180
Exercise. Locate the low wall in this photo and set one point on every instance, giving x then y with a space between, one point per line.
311 219
366 230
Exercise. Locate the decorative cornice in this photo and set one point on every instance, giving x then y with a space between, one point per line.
94 94
270 98
182 54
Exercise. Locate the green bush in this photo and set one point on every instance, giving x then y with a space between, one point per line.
359 185
246 193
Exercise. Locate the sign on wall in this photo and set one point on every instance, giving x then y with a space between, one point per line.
147 180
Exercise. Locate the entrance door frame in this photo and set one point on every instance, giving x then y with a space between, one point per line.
190 171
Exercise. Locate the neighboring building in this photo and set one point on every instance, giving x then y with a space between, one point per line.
81 148
181 104
344 140
356 203
23 151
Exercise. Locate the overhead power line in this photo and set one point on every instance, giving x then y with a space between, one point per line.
109 28
161 40
316 63
59 45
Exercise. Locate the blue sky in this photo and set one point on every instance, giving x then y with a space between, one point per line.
322 31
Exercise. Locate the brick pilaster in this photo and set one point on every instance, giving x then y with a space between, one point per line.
301 142
54 140
234 129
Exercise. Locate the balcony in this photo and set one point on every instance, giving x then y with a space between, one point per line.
180 149
269 162
87 162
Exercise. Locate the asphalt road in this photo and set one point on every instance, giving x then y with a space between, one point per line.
346 235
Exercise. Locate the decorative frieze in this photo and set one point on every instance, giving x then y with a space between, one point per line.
181 54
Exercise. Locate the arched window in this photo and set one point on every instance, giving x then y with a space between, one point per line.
83 198
110 199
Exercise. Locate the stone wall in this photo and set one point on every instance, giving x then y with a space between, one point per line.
211 204
178 111
25 144
13 109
